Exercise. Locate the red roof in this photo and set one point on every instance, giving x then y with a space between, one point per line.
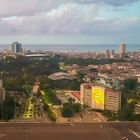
76 95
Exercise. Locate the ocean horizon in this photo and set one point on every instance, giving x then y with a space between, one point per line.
74 48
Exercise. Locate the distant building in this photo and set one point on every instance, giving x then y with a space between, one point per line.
99 97
112 52
16 47
2 92
122 49
107 53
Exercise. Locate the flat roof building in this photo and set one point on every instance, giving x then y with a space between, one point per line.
85 94
112 100
99 97
122 49
16 47
107 53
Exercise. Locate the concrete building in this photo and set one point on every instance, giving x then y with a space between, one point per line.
112 100
2 92
122 49
99 97
107 53
112 52
85 94
16 47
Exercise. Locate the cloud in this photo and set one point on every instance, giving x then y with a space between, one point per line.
27 7
65 17
32 7
71 19
110 2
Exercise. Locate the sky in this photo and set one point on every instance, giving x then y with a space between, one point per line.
70 21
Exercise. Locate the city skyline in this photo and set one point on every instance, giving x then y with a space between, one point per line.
70 69
70 22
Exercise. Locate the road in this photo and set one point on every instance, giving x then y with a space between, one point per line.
83 131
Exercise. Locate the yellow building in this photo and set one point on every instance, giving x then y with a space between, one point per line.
99 97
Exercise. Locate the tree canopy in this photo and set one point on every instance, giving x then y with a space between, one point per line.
130 84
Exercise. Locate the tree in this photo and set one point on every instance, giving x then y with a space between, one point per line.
13 83
27 88
45 107
67 110
124 96
8 109
51 115
76 107
81 76
71 100
130 84
53 65
127 112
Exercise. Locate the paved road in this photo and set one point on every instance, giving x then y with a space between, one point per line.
91 131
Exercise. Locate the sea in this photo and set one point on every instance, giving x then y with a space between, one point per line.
74 48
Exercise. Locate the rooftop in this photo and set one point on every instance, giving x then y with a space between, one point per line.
76 95
61 76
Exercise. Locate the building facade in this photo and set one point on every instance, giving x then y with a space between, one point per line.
16 47
122 49
112 100
85 94
107 53
99 97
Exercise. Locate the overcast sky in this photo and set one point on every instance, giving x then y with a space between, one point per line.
70 21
